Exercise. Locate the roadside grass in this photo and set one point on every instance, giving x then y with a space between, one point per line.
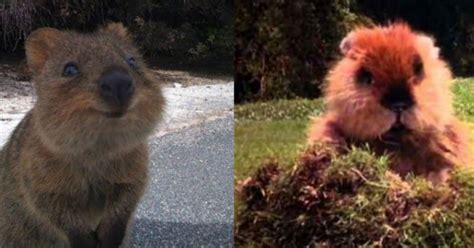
277 129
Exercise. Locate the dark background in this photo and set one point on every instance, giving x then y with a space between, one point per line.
171 33
284 48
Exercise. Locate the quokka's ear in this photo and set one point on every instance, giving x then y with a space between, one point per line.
118 29
346 44
39 45
428 43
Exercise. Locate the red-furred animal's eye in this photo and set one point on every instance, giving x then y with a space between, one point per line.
418 66
364 77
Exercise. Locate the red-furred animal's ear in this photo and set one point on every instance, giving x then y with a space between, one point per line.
428 43
117 28
346 44
39 45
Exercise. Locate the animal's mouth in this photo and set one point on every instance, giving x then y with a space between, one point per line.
397 128
120 111
396 131
115 114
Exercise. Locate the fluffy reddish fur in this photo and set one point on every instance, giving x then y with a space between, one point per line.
436 141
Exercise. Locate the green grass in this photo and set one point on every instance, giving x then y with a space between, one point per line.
464 99
349 199
277 129
271 130
260 140
279 110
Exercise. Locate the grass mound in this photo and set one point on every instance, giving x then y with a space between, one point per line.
351 200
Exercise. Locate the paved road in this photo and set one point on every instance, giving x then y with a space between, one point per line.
189 202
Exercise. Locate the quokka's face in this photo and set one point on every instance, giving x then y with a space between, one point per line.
97 83
390 81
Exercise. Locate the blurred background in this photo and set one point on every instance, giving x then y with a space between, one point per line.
173 34
284 48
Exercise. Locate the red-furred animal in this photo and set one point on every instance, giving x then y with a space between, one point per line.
392 91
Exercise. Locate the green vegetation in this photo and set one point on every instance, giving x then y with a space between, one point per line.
271 130
169 32
463 89
259 140
279 110
285 59
351 200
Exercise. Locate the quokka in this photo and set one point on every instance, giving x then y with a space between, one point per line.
392 91
75 168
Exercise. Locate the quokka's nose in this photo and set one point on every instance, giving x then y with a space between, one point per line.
399 107
398 99
116 87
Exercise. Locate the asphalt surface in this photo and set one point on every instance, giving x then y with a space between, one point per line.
189 201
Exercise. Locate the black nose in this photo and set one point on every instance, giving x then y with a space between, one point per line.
398 99
116 87
399 107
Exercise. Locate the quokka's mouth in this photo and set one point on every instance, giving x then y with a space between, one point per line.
397 128
396 131
118 112
395 134
115 114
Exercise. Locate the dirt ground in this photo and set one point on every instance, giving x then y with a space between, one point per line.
190 78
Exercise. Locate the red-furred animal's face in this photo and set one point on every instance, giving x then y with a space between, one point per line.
390 80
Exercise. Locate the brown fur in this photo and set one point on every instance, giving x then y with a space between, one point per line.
435 141
70 176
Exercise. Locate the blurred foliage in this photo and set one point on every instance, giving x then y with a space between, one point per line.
284 48
177 31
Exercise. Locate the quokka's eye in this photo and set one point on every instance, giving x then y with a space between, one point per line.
364 77
132 63
418 66
70 70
